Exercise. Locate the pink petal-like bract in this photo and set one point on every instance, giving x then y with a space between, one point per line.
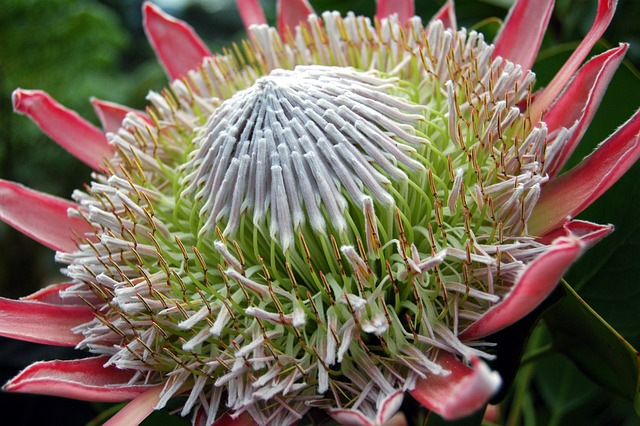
387 409
403 8
112 114
520 37
82 139
589 233
447 14
348 417
573 191
40 216
86 379
138 409
176 44
580 100
251 12
462 392
39 322
51 294
543 100
291 13
533 286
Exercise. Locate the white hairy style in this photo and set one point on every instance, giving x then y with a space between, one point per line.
293 141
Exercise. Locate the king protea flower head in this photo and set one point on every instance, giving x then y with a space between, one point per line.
335 212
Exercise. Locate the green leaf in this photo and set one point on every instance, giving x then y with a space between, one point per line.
596 348
562 387
565 396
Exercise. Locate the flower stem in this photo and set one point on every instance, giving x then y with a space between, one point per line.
525 375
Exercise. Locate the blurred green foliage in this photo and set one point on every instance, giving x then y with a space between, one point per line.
70 49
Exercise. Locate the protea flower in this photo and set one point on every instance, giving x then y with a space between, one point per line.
327 216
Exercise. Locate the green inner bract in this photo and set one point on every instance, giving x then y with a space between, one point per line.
307 221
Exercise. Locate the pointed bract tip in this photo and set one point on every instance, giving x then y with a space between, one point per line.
251 13
23 100
176 44
447 15
149 9
589 233
81 138
16 100
604 15
403 8
579 101
111 115
525 25
291 13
